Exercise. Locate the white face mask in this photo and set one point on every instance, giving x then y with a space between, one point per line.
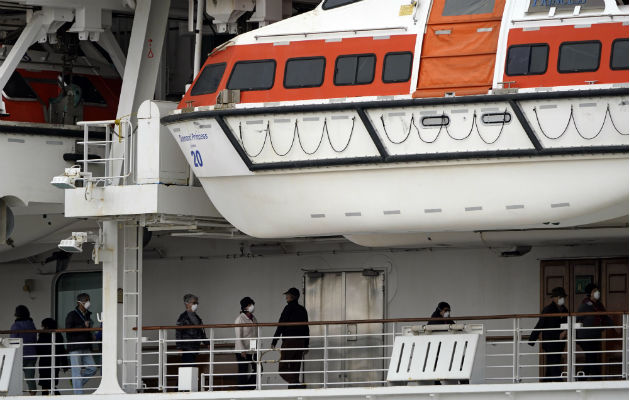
597 295
561 301
447 314
86 305
194 307
251 308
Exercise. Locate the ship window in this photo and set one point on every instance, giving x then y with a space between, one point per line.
17 88
529 59
467 7
208 81
397 67
328 4
619 56
355 69
579 56
252 75
89 93
304 72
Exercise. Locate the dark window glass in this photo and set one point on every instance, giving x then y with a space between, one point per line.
89 93
579 56
529 59
467 7
355 70
619 56
496 118
208 81
17 88
252 75
440 120
304 72
328 4
397 67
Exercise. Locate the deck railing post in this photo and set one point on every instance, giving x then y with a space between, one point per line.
53 364
325 356
211 362
515 349
571 348
624 347
161 359
85 147
258 360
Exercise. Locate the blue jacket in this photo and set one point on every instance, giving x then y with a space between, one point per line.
25 325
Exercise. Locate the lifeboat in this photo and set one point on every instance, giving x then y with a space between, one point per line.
375 119
44 98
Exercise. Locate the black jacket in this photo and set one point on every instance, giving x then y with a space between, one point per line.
592 320
293 312
45 350
185 319
550 323
76 319
436 314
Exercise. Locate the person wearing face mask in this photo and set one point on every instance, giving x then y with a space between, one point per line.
190 340
79 343
551 336
593 348
244 356
24 322
443 310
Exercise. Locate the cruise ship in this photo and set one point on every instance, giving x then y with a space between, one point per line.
439 188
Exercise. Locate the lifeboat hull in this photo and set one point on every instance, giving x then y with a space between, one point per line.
385 168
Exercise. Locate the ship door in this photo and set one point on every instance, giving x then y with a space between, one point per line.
611 275
345 296
459 48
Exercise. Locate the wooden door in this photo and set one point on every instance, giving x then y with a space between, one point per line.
615 297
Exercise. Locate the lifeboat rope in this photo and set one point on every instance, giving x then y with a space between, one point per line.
296 133
607 115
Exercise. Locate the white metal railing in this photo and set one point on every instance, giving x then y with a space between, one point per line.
351 354
52 369
112 162
341 357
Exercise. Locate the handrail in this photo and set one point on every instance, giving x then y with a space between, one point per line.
345 322
379 321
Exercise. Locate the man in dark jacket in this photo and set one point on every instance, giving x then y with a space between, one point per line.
295 339
587 337
443 310
44 351
24 322
80 343
551 338
190 340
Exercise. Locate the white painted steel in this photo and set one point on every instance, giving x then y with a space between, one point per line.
433 357
11 374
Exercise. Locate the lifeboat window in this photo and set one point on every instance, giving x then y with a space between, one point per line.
252 75
579 56
328 4
467 7
355 69
528 59
397 67
619 56
17 88
440 120
89 93
208 81
304 72
496 118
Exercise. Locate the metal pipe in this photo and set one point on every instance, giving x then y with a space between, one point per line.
161 359
86 135
198 37
515 336
624 347
139 241
325 356
259 363
211 361
571 348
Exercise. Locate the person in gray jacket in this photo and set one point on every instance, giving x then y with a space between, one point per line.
244 355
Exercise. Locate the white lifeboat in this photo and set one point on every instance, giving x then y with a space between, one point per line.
328 125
